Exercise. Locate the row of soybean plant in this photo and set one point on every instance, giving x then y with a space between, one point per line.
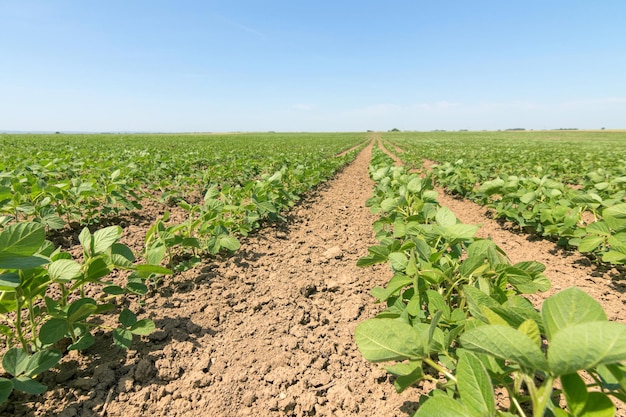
569 186
456 314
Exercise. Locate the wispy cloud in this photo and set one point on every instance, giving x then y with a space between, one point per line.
242 27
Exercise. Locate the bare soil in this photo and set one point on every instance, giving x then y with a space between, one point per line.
269 331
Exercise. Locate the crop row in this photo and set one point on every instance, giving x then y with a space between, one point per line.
59 179
566 188
456 314
226 187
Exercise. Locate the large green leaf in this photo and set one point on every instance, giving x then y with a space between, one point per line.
64 270
475 386
569 307
81 309
53 330
15 361
385 339
398 261
28 385
586 345
9 281
445 217
42 361
22 239
590 243
442 407
230 242
97 269
477 299
397 282
598 405
460 231
506 343
142 327
103 239
615 216
9 261
575 391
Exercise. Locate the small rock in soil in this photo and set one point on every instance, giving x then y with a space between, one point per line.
333 253
308 290
144 370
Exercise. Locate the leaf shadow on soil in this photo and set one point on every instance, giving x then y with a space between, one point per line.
83 383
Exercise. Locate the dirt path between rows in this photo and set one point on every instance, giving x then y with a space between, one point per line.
269 331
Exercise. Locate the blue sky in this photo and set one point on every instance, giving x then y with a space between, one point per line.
180 66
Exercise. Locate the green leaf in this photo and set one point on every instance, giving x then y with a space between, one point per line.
442 406
590 243
460 231
389 204
64 270
9 281
528 197
506 343
142 327
153 269
9 261
86 240
53 330
15 361
398 261
615 216
81 309
124 251
122 338
403 382
445 217
113 290
475 386
22 239
42 361
155 253
383 339
614 257
531 329
397 282
127 318
54 222
575 391
600 228
586 345
477 299
85 341
229 242
97 269
491 187
103 239
6 387
28 385
521 280
569 307
598 405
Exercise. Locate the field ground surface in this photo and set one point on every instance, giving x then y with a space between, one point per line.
269 330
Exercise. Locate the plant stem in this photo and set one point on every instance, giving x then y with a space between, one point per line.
18 321
440 368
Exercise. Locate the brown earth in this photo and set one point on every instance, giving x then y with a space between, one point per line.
269 331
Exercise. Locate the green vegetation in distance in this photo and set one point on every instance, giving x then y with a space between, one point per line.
566 185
